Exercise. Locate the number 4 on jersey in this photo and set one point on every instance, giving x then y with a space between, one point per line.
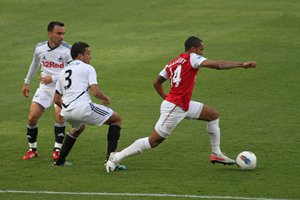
176 77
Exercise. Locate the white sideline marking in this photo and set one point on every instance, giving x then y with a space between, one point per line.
137 194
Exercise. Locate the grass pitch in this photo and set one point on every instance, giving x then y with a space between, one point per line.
131 42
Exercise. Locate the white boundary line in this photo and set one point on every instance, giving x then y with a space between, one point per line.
137 194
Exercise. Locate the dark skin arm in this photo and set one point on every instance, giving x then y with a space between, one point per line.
158 85
96 92
222 64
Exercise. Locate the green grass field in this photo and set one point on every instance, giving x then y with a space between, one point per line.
131 42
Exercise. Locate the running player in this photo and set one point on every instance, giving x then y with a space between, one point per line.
52 56
77 107
178 105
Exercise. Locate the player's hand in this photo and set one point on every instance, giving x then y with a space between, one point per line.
25 90
250 64
46 79
106 101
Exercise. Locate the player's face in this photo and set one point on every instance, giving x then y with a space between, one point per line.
56 36
200 49
87 56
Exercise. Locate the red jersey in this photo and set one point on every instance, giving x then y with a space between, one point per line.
182 72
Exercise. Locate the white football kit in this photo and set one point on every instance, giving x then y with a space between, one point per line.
52 61
77 107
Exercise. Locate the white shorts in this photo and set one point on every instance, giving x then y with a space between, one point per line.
44 97
171 115
90 113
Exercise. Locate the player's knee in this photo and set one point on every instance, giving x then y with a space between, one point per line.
32 120
117 120
214 115
155 139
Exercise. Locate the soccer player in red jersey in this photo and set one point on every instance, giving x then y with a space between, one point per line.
177 104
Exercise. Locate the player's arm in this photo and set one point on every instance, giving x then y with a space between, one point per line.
158 85
31 72
222 64
96 92
57 99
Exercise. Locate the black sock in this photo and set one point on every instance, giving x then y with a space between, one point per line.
59 131
66 148
32 132
113 137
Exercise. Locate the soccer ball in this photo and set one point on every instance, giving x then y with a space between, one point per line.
246 160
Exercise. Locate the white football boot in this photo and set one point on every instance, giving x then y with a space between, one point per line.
112 163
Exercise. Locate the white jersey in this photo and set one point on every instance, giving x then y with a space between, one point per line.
74 82
52 61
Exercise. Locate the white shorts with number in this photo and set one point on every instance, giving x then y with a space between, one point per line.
90 113
171 115
44 96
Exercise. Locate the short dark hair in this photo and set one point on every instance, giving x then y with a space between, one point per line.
78 48
52 24
192 41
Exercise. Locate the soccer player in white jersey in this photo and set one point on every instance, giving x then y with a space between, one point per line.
177 104
52 56
73 97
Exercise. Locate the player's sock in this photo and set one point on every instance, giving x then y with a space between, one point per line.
113 137
66 148
214 136
59 131
138 146
32 132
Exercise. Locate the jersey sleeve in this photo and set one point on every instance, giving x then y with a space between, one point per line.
164 73
196 60
33 67
69 58
92 76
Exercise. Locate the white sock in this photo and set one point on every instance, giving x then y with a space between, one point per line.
138 146
214 136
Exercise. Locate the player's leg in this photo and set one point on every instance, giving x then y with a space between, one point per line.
35 112
113 135
59 132
139 146
170 116
70 139
212 117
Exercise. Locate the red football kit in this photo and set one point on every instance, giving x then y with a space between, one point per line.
182 72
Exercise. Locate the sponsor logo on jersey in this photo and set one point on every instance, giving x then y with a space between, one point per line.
50 64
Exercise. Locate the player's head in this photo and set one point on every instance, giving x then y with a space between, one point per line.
194 44
56 33
81 51
54 23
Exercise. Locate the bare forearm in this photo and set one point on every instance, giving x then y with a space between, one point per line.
222 64
159 89
101 96
228 64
